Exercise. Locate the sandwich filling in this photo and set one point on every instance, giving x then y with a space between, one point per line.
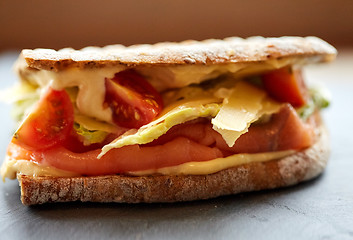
159 120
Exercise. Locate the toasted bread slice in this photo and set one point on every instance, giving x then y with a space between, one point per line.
207 52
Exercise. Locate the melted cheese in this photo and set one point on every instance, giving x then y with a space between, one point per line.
90 83
216 165
11 168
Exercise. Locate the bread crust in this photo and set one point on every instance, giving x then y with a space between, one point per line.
207 52
302 166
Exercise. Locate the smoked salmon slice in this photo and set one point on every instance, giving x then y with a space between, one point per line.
188 142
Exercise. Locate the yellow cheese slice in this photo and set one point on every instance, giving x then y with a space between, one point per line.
245 105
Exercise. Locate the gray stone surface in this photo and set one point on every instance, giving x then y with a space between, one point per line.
319 209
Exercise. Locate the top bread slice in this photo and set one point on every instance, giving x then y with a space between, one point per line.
207 52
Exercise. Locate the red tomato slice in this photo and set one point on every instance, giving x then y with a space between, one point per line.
133 101
48 124
286 85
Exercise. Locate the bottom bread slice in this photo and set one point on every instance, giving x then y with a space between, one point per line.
301 166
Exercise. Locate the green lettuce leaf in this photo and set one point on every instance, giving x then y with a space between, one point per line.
89 136
320 98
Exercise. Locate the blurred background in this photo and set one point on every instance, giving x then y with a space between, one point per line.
79 23
316 210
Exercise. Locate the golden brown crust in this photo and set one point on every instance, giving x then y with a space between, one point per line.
290 170
229 50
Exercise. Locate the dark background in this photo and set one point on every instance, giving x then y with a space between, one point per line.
79 23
